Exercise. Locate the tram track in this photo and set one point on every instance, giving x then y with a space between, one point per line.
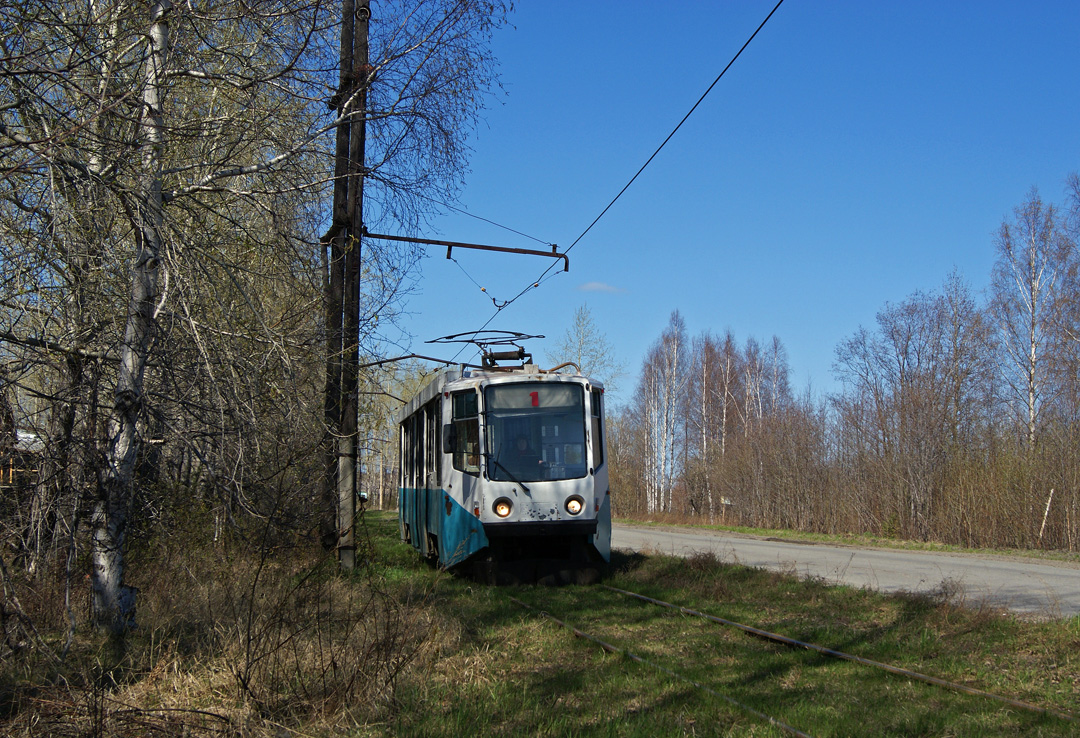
699 684
610 648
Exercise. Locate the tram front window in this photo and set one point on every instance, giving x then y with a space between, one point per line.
535 431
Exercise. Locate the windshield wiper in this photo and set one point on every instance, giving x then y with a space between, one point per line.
514 479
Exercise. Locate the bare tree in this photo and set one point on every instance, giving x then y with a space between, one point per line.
1033 256
777 388
702 411
626 455
713 381
660 399
911 391
168 165
589 349
728 387
754 377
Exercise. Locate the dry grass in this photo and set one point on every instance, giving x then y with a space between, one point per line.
270 647
228 643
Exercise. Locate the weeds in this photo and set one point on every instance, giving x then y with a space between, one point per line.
239 644
229 642
538 680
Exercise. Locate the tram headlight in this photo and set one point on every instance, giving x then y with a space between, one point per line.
575 505
502 507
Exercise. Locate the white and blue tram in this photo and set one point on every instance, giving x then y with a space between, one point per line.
503 466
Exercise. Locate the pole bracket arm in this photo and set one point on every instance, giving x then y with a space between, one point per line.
451 245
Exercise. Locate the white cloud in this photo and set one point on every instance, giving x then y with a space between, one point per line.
599 287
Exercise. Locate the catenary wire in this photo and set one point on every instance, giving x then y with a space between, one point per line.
677 127
544 275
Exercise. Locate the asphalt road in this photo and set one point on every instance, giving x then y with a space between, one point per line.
1038 588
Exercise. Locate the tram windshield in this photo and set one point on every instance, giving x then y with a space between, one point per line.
535 431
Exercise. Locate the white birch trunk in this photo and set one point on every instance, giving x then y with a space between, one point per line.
704 392
113 602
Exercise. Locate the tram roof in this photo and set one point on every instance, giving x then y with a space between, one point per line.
447 375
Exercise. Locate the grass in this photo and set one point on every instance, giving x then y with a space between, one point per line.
230 645
509 671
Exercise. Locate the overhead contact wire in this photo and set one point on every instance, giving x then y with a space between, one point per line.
676 129
539 280
849 657
641 660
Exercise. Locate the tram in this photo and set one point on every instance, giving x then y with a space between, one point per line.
506 469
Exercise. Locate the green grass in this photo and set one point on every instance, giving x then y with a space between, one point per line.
234 643
494 668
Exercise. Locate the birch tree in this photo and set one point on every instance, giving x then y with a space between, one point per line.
660 400
711 398
586 346
727 389
113 600
753 381
1067 367
1026 288
168 166
702 413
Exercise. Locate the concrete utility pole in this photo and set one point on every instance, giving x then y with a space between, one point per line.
349 438
340 485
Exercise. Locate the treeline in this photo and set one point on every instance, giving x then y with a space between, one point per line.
957 418
164 338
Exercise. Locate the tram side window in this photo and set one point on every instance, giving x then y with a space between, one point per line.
403 466
409 453
416 453
432 416
596 429
416 448
466 432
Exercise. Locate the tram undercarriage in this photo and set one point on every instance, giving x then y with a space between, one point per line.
536 559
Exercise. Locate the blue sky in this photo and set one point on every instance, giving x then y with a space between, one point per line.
855 153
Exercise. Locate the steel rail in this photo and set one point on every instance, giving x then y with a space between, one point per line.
634 657
849 657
